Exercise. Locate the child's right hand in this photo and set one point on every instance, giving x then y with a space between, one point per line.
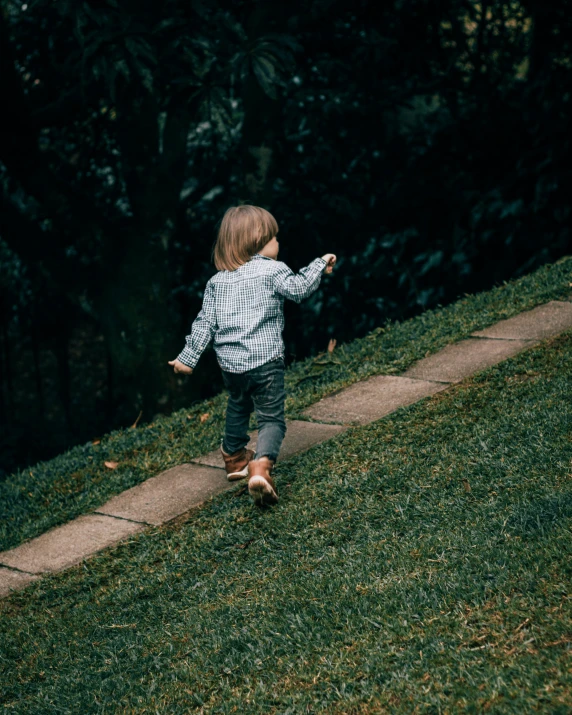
330 259
178 366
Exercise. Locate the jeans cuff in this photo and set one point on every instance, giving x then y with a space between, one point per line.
271 457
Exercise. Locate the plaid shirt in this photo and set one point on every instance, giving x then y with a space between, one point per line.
243 311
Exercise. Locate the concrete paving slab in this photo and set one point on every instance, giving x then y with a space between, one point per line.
300 436
371 399
69 544
536 324
456 362
167 495
11 581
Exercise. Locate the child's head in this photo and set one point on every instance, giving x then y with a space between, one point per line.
244 231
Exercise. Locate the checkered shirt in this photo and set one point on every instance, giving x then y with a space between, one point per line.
243 310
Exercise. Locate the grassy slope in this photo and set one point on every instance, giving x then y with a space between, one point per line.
431 574
76 482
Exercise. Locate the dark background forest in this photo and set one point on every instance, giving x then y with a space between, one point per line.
426 143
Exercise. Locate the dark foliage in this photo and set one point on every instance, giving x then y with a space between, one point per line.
426 143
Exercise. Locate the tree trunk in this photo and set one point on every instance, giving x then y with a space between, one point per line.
109 407
260 130
37 367
133 311
3 414
62 356
7 368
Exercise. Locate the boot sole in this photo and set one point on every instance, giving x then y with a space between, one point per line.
261 491
234 476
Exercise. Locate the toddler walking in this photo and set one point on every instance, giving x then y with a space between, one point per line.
243 311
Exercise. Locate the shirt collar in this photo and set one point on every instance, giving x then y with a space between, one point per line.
257 255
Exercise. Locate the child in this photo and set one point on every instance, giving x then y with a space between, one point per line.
243 310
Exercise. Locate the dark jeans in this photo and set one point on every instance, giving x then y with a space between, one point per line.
262 390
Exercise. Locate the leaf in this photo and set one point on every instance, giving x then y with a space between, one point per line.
266 66
466 485
433 260
146 77
98 17
332 345
137 420
96 441
91 46
123 68
265 74
111 465
138 48
234 26
204 417
512 208
167 24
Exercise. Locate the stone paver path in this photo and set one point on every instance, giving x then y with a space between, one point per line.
456 362
11 580
167 495
69 544
181 488
371 399
536 324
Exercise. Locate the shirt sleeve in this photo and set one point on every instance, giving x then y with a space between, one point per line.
202 330
297 287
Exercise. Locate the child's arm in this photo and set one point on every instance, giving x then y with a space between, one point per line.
202 332
298 287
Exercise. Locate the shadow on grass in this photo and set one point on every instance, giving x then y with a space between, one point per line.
534 520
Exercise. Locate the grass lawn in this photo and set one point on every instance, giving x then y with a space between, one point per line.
54 492
419 564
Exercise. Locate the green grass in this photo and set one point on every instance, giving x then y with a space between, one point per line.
419 564
52 493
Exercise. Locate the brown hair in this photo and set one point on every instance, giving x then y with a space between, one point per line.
244 230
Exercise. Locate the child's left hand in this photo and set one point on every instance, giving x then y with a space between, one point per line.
330 259
178 366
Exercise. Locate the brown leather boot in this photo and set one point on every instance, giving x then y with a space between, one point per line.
260 484
236 464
